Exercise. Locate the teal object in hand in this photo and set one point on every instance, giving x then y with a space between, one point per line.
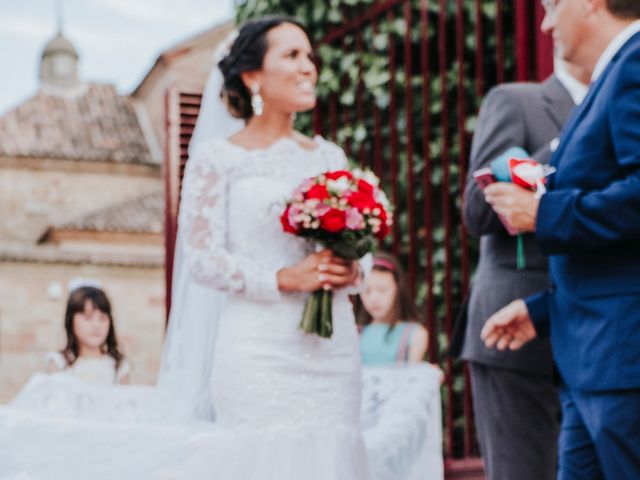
500 165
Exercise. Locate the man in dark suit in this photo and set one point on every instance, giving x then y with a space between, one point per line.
589 225
515 401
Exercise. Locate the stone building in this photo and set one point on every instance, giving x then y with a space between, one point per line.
184 67
81 195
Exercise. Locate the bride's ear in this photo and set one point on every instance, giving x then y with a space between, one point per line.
250 80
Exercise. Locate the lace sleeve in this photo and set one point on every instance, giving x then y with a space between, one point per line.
203 218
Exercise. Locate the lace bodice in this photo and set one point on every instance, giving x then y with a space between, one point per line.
232 199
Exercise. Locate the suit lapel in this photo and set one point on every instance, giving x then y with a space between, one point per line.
573 122
577 116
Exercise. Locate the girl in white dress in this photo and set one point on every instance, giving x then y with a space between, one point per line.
91 353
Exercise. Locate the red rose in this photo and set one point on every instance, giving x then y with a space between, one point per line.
384 228
318 192
361 201
365 187
383 232
338 174
284 220
333 221
383 212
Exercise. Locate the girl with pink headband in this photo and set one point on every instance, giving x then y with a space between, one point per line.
391 332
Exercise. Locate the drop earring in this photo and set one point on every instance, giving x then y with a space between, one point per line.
257 104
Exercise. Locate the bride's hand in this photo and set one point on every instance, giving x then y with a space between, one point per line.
318 270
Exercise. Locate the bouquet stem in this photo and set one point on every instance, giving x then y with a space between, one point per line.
316 317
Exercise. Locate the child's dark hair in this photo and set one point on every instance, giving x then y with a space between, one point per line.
76 304
247 55
404 308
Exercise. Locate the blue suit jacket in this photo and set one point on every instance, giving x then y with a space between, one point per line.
589 225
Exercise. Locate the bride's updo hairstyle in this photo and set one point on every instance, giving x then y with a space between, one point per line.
247 55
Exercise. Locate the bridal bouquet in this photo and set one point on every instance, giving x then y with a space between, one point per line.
344 211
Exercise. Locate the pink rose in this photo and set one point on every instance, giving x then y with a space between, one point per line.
355 220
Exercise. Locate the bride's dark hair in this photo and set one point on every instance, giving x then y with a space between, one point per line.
247 55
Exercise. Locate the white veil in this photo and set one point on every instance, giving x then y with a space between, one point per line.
187 359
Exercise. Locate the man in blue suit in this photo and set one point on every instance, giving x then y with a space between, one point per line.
588 223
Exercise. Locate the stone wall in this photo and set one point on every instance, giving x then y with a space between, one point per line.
35 195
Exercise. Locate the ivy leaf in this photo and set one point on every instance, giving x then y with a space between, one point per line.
399 27
334 15
382 98
348 98
490 10
360 133
375 78
381 42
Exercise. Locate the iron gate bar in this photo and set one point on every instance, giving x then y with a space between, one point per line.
463 138
360 105
377 125
462 165
500 76
411 217
393 132
523 41
426 177
333 116
444 121
479 50
347 142
544 46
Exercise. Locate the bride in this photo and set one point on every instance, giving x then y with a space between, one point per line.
242 393
287 397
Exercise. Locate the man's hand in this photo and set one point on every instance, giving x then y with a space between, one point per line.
509 327
518 206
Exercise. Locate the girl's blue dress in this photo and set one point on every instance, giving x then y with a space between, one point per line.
380 346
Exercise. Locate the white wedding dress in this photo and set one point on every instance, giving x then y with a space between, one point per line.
287 403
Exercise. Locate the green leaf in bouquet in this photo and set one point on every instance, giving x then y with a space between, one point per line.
353 248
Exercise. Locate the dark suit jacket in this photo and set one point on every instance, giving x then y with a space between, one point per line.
589 224
528 115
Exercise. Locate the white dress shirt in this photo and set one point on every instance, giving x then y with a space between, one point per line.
576 88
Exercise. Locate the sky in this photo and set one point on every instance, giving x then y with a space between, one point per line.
117 40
